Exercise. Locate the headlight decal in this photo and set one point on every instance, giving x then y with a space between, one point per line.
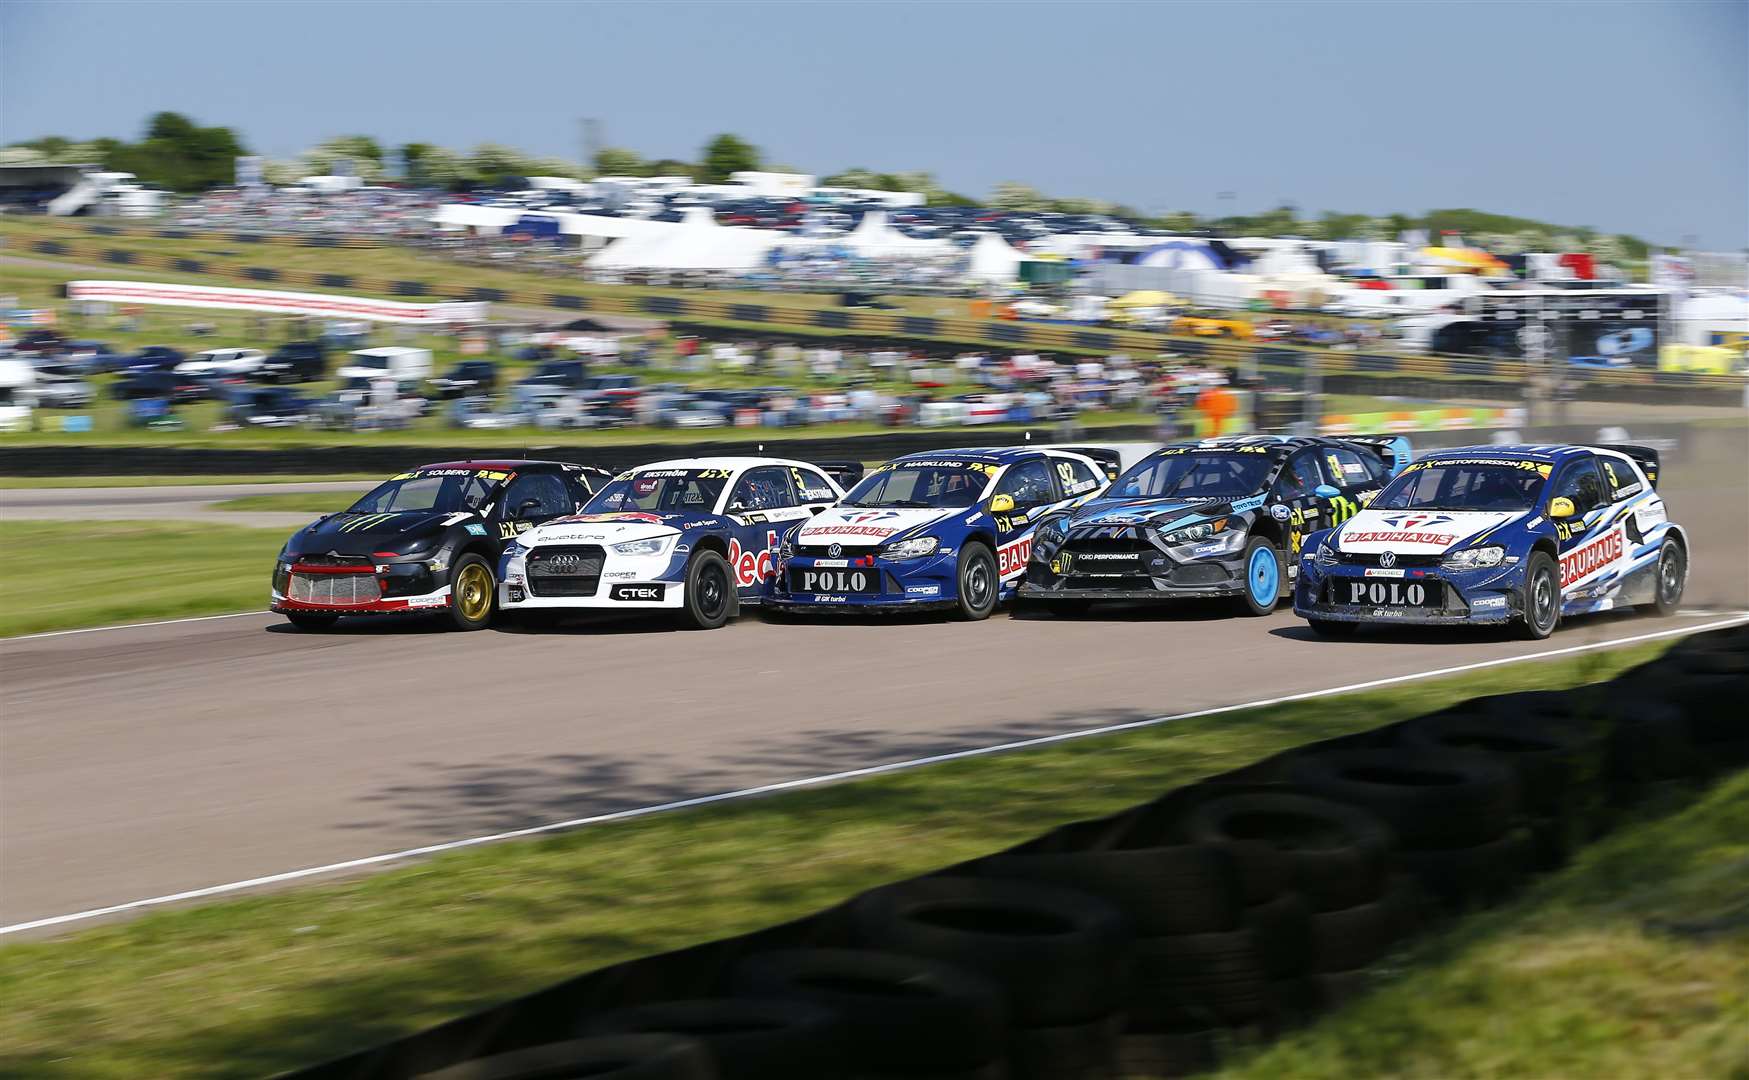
911 549
655 545
1473 558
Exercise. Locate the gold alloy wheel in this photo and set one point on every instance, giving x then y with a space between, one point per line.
473 592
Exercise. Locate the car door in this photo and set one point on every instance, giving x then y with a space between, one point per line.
1590 545
1296 487
761 507
1353 475
1033 486
531 499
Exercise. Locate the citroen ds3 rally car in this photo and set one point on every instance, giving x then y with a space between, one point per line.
695 537
423 541
1519 535
1217 518
947 528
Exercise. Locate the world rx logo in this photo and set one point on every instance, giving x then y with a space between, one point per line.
1407 522
870 515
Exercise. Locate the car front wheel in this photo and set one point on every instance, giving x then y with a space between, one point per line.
471 588
1542 598
709 591
1262 578
978 584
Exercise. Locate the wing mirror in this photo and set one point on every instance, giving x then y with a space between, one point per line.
1325 491
1562 508
1001 504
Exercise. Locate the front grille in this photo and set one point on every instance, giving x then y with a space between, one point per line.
336 590
1200 574
820 551
1349 558
1089 540
565 570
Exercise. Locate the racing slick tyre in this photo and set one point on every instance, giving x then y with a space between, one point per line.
1462 877
1557 765
1263 578
1086 1051
750 1038
710 592
1181 889
1357 937
472 590
1672 577
311 622
901 1014
977 581
1541 599
1209 980
1058 955
1330 628
1428 798
608 1057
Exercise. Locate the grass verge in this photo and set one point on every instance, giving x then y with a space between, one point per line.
127 571
260 984
21 483
1632 962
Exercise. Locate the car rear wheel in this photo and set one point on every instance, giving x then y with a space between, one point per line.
978 584
1672 578
471 589
1542 598
709 591
1262 578
311 622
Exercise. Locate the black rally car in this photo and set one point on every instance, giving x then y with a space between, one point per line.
424 541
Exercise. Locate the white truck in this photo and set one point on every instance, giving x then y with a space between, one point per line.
17 397
401 363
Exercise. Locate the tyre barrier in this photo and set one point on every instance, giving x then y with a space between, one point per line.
1150 943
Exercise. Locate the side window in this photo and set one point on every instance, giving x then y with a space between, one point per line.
1299 476
544 491
1076 477
578 485
1581 483
811 487
1029 483
1351 469
765 488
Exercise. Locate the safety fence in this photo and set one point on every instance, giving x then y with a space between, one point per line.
1378 368
171 232
1149 942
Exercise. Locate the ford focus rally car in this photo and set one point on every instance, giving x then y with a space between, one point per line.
1217 518
1500 534
695 537
948 528
423 541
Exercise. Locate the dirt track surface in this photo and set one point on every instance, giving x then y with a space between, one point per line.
185 502
152 760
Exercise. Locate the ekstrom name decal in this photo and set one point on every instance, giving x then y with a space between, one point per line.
1585 561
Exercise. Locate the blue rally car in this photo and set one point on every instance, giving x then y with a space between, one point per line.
1517 535
948 528
1221 517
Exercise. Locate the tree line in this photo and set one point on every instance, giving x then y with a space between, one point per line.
181 155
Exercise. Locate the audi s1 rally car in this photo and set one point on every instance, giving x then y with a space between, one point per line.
1517 535
948 528
1217 518
695 537
423 541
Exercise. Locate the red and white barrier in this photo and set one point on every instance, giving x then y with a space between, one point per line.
323 305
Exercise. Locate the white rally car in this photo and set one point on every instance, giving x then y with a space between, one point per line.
696 537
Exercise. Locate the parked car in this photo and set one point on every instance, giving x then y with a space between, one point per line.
163 384
467 379
153 358
295 362
223 362
566 374
269 406
480 413
62 392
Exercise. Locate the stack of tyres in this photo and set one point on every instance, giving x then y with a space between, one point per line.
1058 956
1335 862
746 1038
1707 680
1557 756
627 1057
1454 816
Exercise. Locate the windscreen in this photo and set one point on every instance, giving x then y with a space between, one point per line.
1464 485
1202 474
443 492
922 484
664 491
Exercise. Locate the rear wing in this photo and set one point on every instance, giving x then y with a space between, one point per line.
1644 456
1103 456
1394 449
844 473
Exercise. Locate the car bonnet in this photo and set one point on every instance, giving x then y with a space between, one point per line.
1418 532
867 526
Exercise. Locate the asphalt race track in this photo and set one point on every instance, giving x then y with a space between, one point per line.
146 761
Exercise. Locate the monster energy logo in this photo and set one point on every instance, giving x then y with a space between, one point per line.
368 521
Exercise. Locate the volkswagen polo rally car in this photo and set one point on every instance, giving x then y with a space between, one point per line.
1221 517
948 528
695 537
1519 535
423 541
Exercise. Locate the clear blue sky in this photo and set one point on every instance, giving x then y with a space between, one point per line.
1630 117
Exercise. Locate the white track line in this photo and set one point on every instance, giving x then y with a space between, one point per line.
131 626
849 774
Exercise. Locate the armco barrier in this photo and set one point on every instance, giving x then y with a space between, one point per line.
1376 370
1140 944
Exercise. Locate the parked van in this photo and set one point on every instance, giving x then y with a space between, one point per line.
400 363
